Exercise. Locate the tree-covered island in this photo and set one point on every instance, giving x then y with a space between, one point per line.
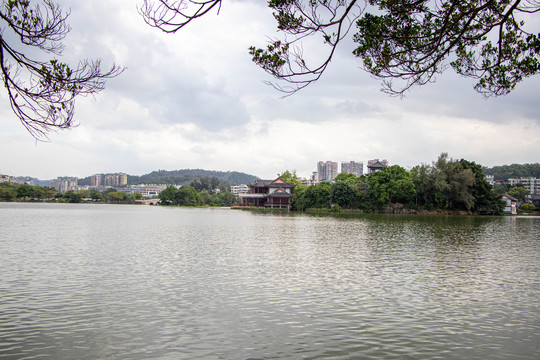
446 186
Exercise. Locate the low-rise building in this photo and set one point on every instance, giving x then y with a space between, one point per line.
535 200
147 191
239 189
511 204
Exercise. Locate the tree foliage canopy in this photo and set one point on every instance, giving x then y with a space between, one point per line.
410 41
505 172
446 185
42 93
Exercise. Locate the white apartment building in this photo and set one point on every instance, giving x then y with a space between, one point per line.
6 178
239 189
147 191
63 184
108 180
96 180
532 184
327 170
353 167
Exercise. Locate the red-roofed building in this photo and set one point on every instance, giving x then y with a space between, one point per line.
269 193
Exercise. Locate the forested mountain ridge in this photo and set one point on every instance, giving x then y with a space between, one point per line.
505 172
186 176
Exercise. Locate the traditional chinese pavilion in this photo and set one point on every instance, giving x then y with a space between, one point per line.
269 193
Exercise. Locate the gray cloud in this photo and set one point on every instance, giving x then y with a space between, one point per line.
194 99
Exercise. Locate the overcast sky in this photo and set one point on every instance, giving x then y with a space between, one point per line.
194 99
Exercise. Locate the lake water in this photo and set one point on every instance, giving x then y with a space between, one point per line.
141 282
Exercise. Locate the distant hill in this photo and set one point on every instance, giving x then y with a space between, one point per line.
505 172
186 176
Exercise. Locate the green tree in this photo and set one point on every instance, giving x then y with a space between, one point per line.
344 194
501 188
214 183
291 178
407 41
200 184
460 180
49 192
188 196
505 172
393 184
431 186
299 202
25 191
116 196
414 41
38 192
318 196
485 199
72 196
226 198
208 199
7 192
96 195
42 93
346 177
85 194
527 208
520 193
168 196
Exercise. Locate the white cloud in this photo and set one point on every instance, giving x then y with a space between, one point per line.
194 100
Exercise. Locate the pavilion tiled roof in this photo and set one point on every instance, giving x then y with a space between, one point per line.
376 165
281 193
277 183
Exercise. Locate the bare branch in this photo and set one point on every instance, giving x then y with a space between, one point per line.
42 93
171 15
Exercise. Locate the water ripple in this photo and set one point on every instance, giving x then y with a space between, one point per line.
153 283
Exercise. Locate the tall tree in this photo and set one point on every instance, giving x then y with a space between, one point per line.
188 196
485 199
318 196
410 40
291 178
344 194
393 184
42 93
520 193
168 196
431 186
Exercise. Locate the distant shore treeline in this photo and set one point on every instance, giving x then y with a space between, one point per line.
514 171
184 177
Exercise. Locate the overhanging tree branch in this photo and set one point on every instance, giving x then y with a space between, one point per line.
171 15
407 41
42 93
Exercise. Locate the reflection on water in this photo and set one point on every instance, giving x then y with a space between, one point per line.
136 282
